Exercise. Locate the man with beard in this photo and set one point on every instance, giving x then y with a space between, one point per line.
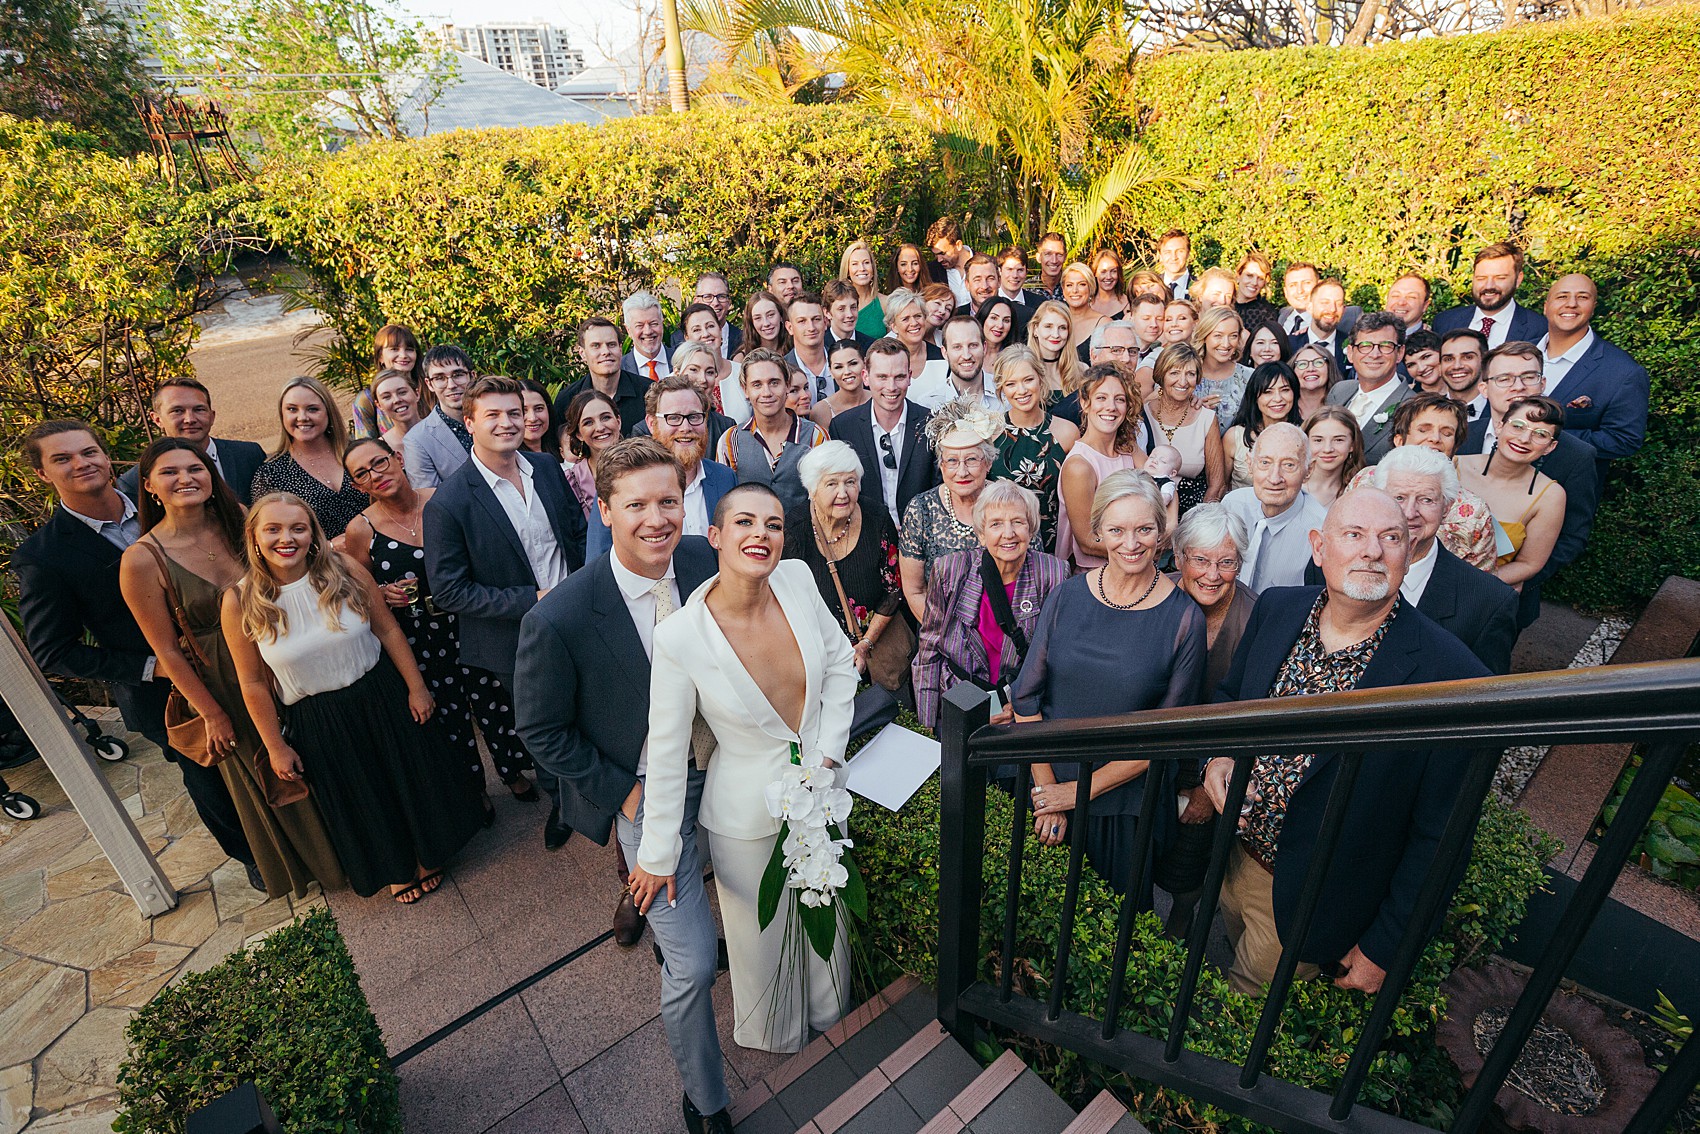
677 416
1355 632
1493 285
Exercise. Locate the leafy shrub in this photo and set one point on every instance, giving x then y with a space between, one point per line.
101 269
898 857
503 240
1670 846
1574 139
287 1015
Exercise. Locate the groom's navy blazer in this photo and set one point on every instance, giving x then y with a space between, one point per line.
476 565
581 689
1402 799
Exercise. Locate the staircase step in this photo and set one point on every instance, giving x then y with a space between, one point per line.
797 1090
1105 1115
1026 1106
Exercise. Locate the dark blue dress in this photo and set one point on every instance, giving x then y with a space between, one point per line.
1091 660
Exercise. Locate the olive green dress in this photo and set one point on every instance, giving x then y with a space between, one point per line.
290 844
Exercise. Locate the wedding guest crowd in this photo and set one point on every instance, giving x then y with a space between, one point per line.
1086 486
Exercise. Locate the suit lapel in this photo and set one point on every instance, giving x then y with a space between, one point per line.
1580 374
487 499
1393 664
552 492
1440 597
619 634
80 537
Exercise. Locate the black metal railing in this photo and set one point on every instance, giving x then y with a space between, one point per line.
1656 704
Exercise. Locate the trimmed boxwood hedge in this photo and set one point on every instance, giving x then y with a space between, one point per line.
287 1015
1578 140
502 240
898 856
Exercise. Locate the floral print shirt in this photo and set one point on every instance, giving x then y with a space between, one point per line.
1309 669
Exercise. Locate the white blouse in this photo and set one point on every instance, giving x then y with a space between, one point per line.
307 656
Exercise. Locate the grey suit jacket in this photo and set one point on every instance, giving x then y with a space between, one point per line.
1378 434
431 452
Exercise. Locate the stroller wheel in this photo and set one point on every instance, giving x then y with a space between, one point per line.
19 806
110 748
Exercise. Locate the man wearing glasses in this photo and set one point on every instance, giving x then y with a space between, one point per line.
1377 347
440 444
887 433
1518 370
678 417
713 292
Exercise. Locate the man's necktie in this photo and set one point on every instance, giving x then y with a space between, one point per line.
1254 557
654 375
1298 325
702 737
1487 325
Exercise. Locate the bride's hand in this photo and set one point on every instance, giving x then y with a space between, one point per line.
645 886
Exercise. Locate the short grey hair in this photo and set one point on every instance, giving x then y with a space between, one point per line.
824 460
1283 431
636 302
899 299
988 452
1125 483
686 351
1207 526
1418 460
1007 493
1104 327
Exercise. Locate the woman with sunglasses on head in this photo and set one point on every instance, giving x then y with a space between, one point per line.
388 540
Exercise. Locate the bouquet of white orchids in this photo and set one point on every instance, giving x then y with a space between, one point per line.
809 862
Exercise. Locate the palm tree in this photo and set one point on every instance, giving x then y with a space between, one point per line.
1029 96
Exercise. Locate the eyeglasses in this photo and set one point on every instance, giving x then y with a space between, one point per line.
455 376
378 465
1202 563
1538 432
889 460
1530 378
674 420
1311 364
1377 348
960 464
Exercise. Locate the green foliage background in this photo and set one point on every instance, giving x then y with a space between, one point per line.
287 1015
1577 140
898 857
502 240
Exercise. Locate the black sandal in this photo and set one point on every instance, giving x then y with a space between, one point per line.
401 896
431 883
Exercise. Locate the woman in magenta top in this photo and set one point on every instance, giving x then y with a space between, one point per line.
966 635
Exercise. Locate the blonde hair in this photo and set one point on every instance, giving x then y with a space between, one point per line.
1010 357
336 428
858 245
256 592
1063 376
1208 321
1082 269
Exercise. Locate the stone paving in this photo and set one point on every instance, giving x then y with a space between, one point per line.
77 958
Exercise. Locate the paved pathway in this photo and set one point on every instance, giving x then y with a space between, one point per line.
77 959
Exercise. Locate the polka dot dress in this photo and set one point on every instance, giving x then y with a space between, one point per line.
463 695
334 509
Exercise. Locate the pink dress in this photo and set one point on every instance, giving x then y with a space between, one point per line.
1102 467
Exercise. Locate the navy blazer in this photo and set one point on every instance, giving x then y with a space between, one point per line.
475 562
68 588
1605 399
917 471
1526 325
581 689
1402 799
237 461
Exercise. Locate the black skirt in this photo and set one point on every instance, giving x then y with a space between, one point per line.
387 787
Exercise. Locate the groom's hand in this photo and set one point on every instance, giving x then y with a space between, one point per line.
645 886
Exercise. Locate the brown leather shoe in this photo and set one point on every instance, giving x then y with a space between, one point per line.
628 923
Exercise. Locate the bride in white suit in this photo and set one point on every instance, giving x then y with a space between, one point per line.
759 656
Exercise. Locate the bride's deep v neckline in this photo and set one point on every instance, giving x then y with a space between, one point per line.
792 663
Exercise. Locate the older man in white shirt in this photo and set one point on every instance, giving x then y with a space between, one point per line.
1276 510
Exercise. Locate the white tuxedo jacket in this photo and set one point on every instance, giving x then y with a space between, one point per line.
694 668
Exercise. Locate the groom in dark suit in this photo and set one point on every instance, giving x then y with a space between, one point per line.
582 691
182 407
68 594
500 533
888 434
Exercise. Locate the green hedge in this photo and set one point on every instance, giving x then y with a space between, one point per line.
288 1015
503 240
898 856
1578 140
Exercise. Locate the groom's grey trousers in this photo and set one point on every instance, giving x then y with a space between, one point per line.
689 948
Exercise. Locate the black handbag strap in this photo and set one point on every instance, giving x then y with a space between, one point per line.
999 598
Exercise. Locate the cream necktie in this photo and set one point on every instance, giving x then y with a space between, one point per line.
702 737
